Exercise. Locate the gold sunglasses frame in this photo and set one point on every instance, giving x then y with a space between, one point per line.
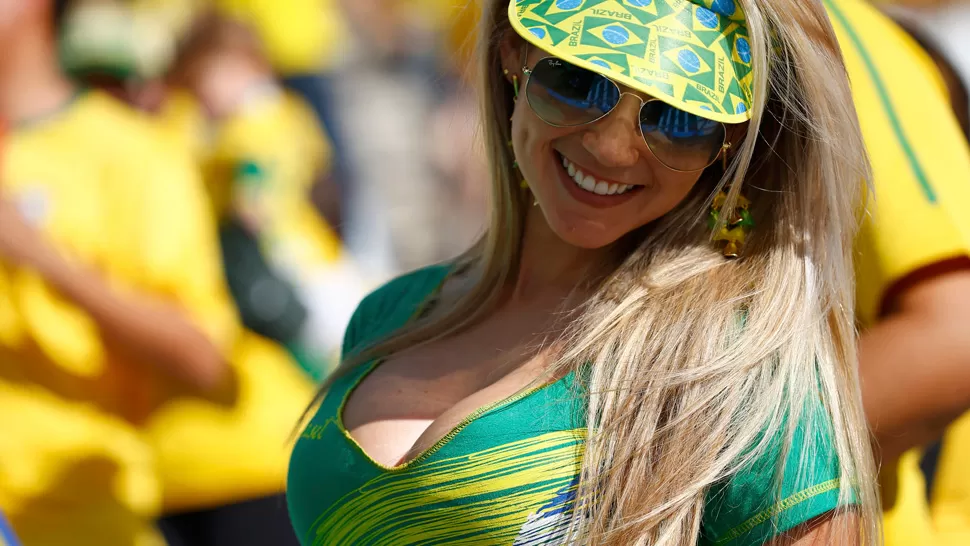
725 143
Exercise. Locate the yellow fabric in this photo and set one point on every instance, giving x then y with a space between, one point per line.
300 36
72 474
277 134
98 181
460 29
921 168
916 217
183 122
694 55
198 443
211 455
951 490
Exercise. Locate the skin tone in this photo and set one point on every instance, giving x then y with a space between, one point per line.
910 405
140 327
915 362
415 398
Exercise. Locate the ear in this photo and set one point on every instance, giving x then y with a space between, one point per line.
510 49
736 132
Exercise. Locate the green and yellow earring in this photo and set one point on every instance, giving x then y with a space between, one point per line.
524 184
737 227
515 83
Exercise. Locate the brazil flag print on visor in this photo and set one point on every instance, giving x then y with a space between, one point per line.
692 54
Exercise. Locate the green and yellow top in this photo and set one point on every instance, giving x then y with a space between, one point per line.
507 474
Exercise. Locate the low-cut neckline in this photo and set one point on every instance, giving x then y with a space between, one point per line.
444 440
369 368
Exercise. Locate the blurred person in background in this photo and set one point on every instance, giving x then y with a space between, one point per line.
110 297
303 42
915 271
455 140
267 155
7 536
390 87
134 390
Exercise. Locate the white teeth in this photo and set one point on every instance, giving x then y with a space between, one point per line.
590 184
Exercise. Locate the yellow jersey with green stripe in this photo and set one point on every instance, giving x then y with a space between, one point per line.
508 474
921 177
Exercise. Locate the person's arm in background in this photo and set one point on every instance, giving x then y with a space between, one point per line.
150 329
915 361
913 262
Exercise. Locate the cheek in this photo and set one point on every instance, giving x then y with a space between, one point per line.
532 143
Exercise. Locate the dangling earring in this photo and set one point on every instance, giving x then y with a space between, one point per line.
524 184
738 225
736 228
515 83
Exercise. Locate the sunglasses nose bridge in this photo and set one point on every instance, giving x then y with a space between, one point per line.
615 139
632 113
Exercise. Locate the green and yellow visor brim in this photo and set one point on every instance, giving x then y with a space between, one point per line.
692 54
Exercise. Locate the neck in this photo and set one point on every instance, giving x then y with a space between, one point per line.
551 267
31 82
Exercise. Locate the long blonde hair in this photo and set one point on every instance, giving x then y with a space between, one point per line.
698 362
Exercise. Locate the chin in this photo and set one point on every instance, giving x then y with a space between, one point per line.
586 233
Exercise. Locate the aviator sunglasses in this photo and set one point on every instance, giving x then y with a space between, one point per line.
565 95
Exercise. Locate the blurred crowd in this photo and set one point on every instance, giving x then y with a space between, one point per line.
195 196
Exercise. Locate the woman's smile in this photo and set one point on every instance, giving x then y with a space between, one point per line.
592 189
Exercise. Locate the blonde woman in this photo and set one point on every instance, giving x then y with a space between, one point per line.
653 342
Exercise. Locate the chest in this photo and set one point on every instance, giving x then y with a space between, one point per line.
506 476
406 404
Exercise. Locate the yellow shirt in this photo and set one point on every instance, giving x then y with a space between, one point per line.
921 171
98 182
300 36
198 444
273 149
184 123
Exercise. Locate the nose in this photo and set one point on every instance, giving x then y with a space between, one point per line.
615 140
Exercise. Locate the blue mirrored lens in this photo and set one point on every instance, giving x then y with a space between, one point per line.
679 139
566 95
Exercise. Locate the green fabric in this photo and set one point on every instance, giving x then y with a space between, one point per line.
507 475
748 510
